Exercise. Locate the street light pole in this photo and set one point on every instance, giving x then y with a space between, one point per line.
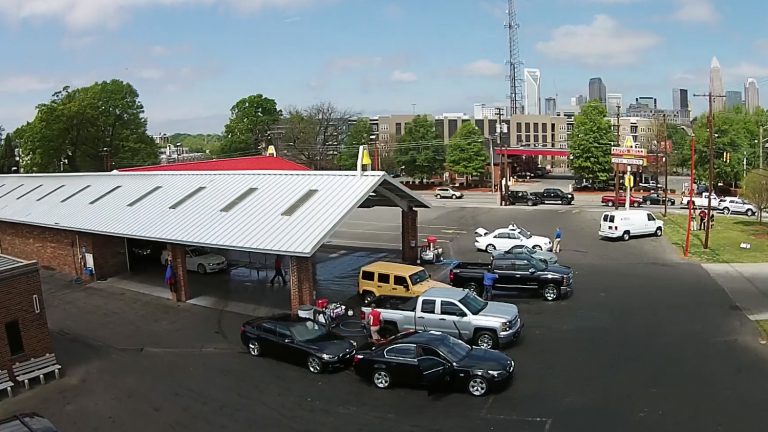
710 125
616 166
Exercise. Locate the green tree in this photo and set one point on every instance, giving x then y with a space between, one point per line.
358 135
735 138
199 143
420 150
466 154
680 158
591 142
88 126
756 190
250 121
314 134
7 153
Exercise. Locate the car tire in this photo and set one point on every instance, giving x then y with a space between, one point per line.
726 211
659 232
625 236
530 203
382 379
475 288
201 269
565 202
477 386
254 348
486 339
636 204
538 248
750 213
314 364
490 248
437 196
551 293
368 297
609 203
454 196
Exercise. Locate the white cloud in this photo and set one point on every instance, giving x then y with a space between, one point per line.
687 77
24 84
745 69
341 64
483 67
762 45
403 77
151 74
159 50
700 11
603 42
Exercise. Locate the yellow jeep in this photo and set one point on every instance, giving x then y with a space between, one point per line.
393 279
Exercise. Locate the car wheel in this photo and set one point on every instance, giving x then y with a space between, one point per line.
551 292
437 196
750 213
314 364
659 231
490 248
254 348
454 196
382 379
201 269
636 204
475 288
368 297
565 202
486 339
726 211
625 236
538 248
609 203
530 203
477 386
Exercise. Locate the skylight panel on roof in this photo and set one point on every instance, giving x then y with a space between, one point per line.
11 191
54 190
189 196
240 198
29 192
104 194
74 194
144 195
299 202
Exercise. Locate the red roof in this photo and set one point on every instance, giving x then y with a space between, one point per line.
248 163
533 152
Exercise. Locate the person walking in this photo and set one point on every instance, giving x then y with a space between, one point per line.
374 322
278 270
702 219
488 280
556 244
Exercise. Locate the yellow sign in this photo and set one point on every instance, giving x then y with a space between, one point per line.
629 143
629 181
271 151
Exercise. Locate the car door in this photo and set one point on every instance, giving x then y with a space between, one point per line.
286 343
426 316
650 223
508 280
514 239
500 241
738 206
434 367
454 320
384 284
525 278
267 337
400 285
402 364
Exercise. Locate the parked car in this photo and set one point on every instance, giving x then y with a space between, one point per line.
522 197
723 199
610 200
459 313
547 257
657 198
700 201
144 250
204 261
549 195
737 205
432 358
517 274
649 186
394 279
297 340
27 422
506 238
629 223
446 192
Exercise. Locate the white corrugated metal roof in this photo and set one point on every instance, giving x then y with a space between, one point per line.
257 223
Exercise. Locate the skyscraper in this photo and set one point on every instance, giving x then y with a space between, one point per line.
579 100
679 99
532 91
716 85
550 106
614 102
751 95
647 100
597 90
732 99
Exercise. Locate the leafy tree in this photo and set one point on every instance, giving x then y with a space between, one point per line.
199 143
313 135
87 126
420 150
466 154
250 121
591 143
7 154
358 135
680 157
756 190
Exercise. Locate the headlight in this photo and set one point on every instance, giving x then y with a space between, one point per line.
354 344
495 374
328 357
505 326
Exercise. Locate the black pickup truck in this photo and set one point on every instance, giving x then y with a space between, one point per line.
517 273
554 195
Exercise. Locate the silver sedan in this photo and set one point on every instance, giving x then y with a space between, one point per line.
548 257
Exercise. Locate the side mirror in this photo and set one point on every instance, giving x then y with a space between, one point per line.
288 340
532 270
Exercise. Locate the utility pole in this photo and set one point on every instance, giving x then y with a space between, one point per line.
502 160
616 166
666 164
760 145
105 158
710 127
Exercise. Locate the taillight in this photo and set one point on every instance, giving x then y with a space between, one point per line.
242 329
357 358
450 276
362 315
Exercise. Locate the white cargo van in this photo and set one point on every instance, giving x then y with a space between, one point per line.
628 223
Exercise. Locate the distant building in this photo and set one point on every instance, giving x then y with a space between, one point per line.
732 99
550 106
641 130
597 90
647 100
532 91
541 131
568 113
614 103
716 85
489 111
751 95
579 100
390 128
680 99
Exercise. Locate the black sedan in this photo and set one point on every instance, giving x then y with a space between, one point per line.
297 340
431 358
657 198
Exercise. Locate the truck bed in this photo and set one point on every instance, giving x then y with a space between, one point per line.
403 304
479 266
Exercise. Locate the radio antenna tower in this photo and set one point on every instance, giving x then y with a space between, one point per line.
515 76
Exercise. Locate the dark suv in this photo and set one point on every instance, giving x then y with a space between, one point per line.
27 422
522 197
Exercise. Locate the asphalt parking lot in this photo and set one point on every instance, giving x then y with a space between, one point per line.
648 342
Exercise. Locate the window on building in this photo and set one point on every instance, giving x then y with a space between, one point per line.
569 128
552 128
563 145
519 127
536 128
398 129
536 137
13 335
527 138
519 138
527 127
544 127
544 138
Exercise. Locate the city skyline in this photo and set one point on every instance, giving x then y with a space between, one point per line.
186 57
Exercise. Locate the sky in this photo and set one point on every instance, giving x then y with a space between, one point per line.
191 60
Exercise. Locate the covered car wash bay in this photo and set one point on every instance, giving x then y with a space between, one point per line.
71 222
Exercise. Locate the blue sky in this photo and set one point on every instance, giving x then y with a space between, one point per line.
191 60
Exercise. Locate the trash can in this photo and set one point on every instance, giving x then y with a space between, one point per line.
306 311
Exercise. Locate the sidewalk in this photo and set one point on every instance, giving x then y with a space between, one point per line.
747 284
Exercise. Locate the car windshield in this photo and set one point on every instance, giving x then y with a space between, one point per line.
306 330
196 252
473 303
524 233
418 277
454 349
539 265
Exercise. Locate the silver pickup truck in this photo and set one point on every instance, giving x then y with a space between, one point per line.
456 312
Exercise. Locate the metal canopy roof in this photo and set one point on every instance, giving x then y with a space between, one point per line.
279 212
9 263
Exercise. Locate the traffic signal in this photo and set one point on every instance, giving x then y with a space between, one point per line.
726 157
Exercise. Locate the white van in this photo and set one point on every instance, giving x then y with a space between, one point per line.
627 223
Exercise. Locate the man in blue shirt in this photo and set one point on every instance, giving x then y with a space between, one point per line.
556 244
488 280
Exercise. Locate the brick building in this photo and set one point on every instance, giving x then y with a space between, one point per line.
22 313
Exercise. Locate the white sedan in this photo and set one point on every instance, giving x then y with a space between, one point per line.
505 238
203 262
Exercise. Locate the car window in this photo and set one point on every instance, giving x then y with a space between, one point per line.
282 332
401 281
428 351
503 265
268 329
418 277
522 266
450 308
367 275
611 218
650 217
306 330
605 217
401 352
514 236
428 306
502 235
384 278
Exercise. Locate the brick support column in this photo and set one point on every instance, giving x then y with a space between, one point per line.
179 257
302 282
410 235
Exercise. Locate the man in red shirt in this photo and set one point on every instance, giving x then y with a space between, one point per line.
278 270
374 321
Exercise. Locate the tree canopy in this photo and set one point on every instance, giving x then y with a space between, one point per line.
756 190
591 142
420 150
7 153
199 143
466 154
85 127
358 135
251 118
313 135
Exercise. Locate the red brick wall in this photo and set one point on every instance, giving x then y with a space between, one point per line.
17 286
301 272
410 233
50 247
109 255
179 258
